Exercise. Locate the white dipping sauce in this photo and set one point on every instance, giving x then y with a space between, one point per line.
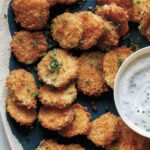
134 92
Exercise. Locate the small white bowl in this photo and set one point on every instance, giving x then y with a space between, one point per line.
122 70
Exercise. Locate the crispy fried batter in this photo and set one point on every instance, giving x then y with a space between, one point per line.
110 37
21 114
90 79
145 25
67 30
28 47
112 62
117 15
50 145
139 7
54 2
58 68
31 14
21 84
74 147
126 4
80 125
58 98
55 119
104 130
129 140
92 29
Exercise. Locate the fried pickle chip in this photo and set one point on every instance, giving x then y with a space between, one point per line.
21 84
67 30
74 147
139 7
126 4
90 79
110 37
92 29
31 14
112 62
80 124
129 140
58 98
20 114
50 145
28 47
58 68
104 130
55 119
145 25
117 15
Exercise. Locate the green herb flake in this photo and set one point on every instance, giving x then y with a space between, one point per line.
120 61
53 88
46 148
118 26
70 93
28 89
35 94
87 81
95 64
35 42
54 79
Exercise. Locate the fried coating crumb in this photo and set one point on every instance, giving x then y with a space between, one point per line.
21 84
128 140
145 25
31 14
67 30
126 4
110 37
139 7
112 62
80 124
28 47
58 68
74 147
92 29
57 98
104 130
20 114
55 119
90 79
117 15
54 2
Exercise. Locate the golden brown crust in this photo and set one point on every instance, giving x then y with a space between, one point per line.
28 47
20 114
57 98
67 30
104 130
31 14
129 140
90 79
21 84
92 29
117 15
112 62
58 68
55 119
74 147
80 124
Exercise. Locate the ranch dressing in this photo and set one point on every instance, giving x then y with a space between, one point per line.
134 92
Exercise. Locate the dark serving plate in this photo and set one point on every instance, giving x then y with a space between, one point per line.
30 138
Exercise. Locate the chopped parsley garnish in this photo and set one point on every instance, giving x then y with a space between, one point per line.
87 81
35 42
118 26
95 64
28 89
35 94
54 79
70 93
120 61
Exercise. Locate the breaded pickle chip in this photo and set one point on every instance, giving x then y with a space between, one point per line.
50 145
54 2
21 84
129 140
92 29
80 124
126 4
58 68
90 79
20 114
31 14
139 7
104 130
112 62
58 98
55 119
117 15
67 30
145 25
28 47
110 37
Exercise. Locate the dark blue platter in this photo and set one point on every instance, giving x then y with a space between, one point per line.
30 138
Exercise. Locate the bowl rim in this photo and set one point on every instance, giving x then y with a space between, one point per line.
129 60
